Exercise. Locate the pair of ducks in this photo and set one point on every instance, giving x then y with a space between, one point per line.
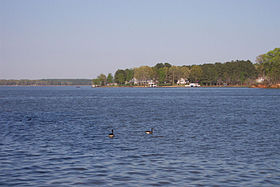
111 135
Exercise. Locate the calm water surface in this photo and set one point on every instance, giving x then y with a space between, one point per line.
58 136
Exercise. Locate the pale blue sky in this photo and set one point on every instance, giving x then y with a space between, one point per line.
83 38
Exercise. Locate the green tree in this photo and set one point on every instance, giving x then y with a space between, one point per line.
209 74
110 78
120 76
143 73
268 65
103 80
129 74
161 75
247 71
167 65
196 73
219 67
159 65
175 74
184 72
160 72
96 82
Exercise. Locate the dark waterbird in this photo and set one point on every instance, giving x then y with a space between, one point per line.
111 135
150 132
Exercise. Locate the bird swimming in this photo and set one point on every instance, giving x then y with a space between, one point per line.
111 135
150 132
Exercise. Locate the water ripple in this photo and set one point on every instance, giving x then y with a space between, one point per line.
202 137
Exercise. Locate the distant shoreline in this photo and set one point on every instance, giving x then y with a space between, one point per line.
175 86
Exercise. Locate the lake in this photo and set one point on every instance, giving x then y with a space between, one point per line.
58 136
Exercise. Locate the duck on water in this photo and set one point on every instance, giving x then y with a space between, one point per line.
150 132
111 135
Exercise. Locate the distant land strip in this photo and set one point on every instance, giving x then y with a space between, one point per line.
265 73
46 82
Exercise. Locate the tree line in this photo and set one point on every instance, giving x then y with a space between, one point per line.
239 72
231 73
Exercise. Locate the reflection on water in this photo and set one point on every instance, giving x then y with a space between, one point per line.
55 136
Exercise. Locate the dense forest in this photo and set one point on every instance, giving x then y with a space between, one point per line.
237 72
44 82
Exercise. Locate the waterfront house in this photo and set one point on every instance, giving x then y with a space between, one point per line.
182 81
260 80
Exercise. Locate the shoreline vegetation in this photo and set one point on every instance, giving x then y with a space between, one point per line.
273 86
265 73
46 82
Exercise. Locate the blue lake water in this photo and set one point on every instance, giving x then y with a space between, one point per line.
58 136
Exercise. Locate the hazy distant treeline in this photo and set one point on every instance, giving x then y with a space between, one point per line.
44 82
239 72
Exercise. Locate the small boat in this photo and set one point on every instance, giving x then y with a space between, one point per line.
192 85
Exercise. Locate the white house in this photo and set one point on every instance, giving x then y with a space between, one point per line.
151 83
260 80
112 84
182 81
134 81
